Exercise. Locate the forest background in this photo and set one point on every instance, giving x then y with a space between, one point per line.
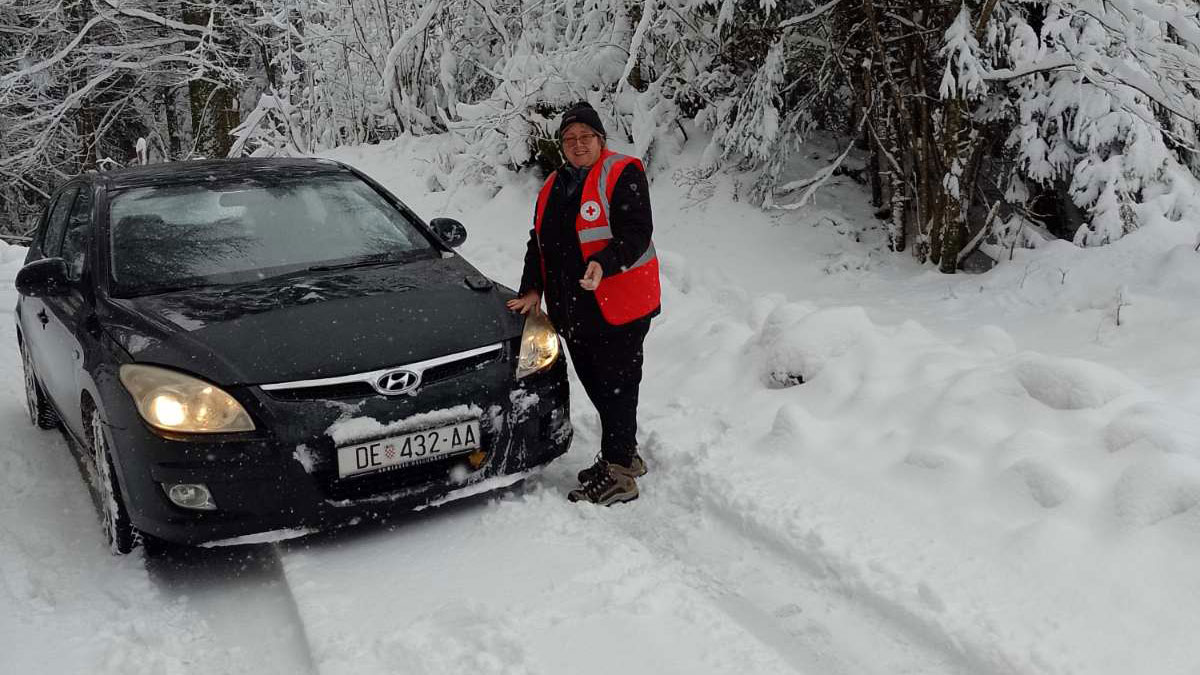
1006 121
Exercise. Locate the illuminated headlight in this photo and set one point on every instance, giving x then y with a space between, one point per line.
176 402
539 345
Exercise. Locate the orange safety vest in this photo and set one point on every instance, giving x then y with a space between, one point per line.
633 292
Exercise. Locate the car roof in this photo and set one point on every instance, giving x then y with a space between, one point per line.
171 173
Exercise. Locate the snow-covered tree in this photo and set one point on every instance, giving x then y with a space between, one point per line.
1106 101
81 82
966 113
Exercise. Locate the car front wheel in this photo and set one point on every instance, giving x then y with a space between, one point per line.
114 518
41 414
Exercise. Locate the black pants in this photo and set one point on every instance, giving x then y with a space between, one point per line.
609 366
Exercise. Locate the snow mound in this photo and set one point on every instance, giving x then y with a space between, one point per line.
794 429
1157 488
1154 426
797 343
1047 485
991 340
1179 270
1070 384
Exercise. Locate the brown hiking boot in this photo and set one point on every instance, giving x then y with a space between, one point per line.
636 469
611 485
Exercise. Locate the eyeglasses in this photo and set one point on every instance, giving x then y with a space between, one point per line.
581 139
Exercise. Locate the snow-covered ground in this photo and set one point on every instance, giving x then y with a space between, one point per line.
980 474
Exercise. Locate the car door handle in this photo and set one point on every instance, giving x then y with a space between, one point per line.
43 317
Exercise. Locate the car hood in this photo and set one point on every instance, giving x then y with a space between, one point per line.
318 324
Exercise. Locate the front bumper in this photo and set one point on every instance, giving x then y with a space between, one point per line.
285 476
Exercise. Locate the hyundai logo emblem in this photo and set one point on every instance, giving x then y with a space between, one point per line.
397 382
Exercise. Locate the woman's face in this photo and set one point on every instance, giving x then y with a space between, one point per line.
582 145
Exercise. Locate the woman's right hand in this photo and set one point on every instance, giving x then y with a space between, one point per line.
523 304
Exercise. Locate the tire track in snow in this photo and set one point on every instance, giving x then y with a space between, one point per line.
527 583
795 609
796 604
238 594
858 611
243 596
911 619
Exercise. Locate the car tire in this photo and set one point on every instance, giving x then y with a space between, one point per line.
114 518
41 413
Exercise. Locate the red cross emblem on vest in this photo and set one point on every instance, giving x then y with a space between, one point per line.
590 211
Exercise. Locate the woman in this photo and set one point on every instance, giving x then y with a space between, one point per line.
591 256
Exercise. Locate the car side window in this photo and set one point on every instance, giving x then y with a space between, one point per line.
52 239
78 233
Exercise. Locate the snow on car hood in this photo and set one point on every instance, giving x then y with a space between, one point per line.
318 325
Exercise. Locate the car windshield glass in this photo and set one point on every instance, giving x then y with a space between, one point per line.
239 230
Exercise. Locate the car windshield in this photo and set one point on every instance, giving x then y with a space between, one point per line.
246 229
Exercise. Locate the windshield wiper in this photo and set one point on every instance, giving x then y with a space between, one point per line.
378 259
157 290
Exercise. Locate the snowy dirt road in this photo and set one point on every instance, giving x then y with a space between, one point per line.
532 584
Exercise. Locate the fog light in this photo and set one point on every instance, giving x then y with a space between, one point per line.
191 496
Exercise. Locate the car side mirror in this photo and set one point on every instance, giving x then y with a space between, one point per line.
450 230
42 278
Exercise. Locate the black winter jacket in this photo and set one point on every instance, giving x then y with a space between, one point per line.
573 310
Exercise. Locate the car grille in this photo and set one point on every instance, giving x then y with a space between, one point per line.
333 391
457 368
361 385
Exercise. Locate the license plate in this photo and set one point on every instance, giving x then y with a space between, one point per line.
418 447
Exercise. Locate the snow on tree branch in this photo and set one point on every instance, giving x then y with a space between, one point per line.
964 74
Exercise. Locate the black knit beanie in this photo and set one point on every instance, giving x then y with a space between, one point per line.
584 113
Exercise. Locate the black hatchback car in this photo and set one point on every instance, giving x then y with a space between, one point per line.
249 346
